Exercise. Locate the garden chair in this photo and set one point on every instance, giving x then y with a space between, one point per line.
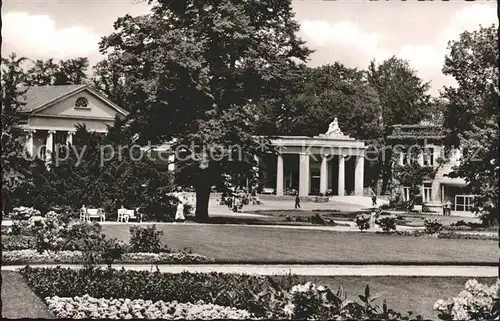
124 215
83 214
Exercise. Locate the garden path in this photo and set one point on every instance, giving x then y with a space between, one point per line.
309 269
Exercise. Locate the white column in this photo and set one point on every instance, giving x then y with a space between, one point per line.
304 174
49 144
29 141
401 158
323 178
279 175
359 175
69 138
341 186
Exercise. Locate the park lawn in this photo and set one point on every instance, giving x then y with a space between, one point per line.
403 293
254 244
18 301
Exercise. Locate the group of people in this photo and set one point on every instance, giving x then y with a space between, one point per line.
236 200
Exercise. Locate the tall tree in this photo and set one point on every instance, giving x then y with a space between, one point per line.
195 69
472 114
404 99
12 157
65 72
110 78
336 91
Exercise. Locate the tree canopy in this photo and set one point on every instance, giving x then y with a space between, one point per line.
65 72
195 70
12 156
472 114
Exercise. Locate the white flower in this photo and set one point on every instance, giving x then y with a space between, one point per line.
289 309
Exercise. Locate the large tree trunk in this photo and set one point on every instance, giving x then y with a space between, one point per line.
203 189
386 171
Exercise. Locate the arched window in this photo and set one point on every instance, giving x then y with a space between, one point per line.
82 102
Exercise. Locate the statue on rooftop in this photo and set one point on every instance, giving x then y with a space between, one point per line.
333 128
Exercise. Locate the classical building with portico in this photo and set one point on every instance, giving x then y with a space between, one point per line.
331 163
51 113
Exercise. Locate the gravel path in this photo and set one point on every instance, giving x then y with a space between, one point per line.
311 270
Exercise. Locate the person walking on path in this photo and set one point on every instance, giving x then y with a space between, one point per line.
297 202
374 200
179 214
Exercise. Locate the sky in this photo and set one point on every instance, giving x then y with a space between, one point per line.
351 32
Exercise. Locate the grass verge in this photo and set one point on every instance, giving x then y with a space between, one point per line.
18 301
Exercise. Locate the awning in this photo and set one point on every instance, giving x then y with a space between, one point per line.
453 181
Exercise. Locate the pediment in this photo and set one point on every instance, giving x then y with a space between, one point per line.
84 103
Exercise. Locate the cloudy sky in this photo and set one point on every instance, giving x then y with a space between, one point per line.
352 32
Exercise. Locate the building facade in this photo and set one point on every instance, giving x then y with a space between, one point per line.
331 163
51 113
423 144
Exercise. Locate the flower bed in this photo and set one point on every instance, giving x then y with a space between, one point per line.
18 242
16 257
467 236
271 297
89 307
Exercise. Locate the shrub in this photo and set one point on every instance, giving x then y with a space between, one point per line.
467 236
460 223
24 213
458 228
288 218
301 219
145 239
20 228
415 233
48 232
18 242
387 223
476 302
433 226
317 219
66 212
363 221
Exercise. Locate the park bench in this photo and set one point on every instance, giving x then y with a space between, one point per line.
124 215
86 214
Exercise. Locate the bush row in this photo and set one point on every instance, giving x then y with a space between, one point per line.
93 308
467 236
275 297
18 257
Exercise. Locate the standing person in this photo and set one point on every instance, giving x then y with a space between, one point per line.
179 214
236 204
448 207
444 209
374 200
297 201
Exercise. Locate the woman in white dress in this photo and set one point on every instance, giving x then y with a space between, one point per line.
179 214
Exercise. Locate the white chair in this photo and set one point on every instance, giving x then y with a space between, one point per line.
83 214
124 215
